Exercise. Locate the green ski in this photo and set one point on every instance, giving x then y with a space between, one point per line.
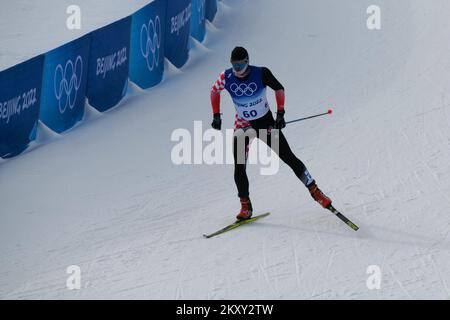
343 218
236 224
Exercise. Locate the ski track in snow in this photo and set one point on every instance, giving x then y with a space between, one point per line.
106 197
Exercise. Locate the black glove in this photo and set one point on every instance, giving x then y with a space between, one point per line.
217 121
280 123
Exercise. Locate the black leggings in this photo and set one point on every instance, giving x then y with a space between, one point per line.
285 153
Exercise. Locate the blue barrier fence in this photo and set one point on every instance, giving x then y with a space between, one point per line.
147 44
178 22
198 19
108 64
19 105
211 9
53 87
64 85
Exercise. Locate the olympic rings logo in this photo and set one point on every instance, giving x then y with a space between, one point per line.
67 82
151 42
241 89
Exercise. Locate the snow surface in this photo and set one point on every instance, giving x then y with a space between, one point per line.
106 197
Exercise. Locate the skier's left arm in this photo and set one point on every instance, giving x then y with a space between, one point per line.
272 82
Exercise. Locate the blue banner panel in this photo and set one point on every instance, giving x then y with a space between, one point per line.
64 85
109 64
147 44
20 93
211 9
177 31
198 19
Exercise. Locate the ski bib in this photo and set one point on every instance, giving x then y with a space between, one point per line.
249 95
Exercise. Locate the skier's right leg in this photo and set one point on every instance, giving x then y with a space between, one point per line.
241 144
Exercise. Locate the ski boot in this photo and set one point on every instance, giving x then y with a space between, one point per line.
246 209
318 195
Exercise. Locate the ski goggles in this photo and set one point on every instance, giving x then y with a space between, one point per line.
239 66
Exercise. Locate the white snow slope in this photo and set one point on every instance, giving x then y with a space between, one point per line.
107 198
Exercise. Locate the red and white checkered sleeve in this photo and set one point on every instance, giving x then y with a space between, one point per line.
216 88
219 84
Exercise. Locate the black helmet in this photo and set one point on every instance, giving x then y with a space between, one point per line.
239 60
239 54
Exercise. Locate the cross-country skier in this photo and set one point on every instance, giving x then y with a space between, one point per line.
247 86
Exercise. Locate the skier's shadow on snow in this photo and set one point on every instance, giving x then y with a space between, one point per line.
375 233
395 236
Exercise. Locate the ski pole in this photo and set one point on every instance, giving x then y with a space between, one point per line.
330 111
